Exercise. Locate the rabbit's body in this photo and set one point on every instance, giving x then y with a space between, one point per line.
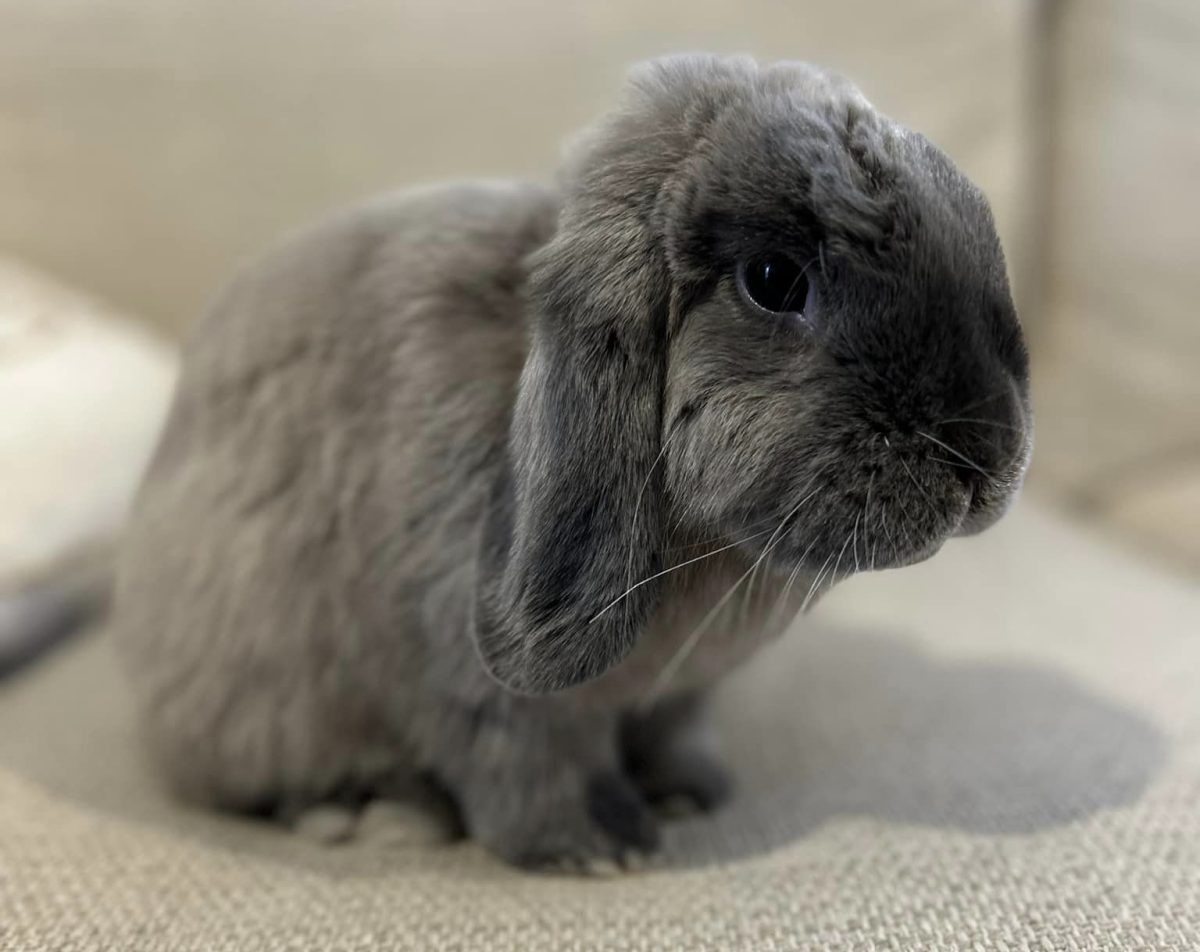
297 578
487 484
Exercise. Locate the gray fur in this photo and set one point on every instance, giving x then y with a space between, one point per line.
419 456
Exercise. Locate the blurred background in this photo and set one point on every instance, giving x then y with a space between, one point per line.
146 146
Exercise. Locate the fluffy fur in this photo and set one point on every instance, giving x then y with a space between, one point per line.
432 468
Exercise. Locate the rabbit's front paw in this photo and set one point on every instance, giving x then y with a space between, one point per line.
684 780
672 756
606 829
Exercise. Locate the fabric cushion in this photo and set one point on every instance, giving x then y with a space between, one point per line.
82 395
997 750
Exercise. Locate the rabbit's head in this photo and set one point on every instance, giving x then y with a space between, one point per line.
769 316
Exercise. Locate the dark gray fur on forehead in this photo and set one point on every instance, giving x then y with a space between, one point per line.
722 155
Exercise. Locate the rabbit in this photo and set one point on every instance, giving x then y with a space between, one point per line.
485 486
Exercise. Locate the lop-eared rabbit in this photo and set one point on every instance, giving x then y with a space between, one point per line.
486 485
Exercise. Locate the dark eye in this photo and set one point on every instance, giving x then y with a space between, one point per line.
773 282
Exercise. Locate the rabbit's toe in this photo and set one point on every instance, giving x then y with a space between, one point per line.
684 780
609 829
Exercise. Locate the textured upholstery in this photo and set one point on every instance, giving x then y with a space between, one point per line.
996 751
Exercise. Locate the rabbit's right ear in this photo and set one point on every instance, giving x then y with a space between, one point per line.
574 535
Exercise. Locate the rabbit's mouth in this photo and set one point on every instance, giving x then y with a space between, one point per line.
859 534
938 481
895 507
994 497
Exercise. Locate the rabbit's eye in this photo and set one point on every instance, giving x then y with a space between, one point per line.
773 282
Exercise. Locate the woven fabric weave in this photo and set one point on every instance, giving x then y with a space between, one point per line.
997 751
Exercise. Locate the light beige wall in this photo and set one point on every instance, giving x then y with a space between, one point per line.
145 146
1119 387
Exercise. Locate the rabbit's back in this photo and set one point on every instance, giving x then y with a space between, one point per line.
339 416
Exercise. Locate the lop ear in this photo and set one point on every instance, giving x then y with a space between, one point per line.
578 517
576 521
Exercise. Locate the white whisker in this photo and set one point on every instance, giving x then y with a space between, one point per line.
832 575
867 520
950 449
815 582
637 506
747 606
770 520
689 644
748 599
982 400
781 604
950 462
883 524
787 298
920 488
995 423
838 563
781 599
854 546
673 568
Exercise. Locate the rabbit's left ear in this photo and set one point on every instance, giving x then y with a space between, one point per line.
578 521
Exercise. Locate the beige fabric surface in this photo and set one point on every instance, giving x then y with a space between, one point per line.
998 750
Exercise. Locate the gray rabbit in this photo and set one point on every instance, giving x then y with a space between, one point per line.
484 486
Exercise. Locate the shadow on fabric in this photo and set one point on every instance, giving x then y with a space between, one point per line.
827 725
836 723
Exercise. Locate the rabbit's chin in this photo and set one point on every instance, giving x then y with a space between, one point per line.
903 536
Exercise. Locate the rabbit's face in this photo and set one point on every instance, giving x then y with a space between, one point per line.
767 314
847 382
